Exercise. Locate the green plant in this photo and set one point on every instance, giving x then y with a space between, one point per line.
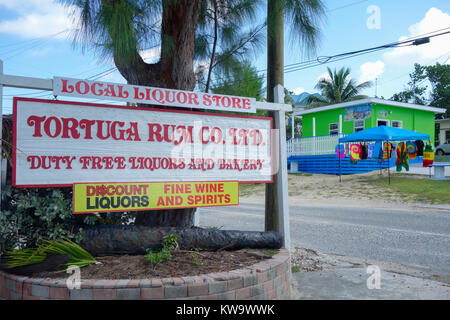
30 214
195 257
156 257
77 255
295 268
270 252
33 213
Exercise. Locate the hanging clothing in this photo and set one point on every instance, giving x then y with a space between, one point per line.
411 149
428 155
419 146
363 151
402 157
377 150
370 150
393 149
355 151
387 149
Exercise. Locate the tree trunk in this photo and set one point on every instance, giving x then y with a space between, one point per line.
174 70
275 76
109 239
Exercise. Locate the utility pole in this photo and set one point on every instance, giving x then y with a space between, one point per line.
275 76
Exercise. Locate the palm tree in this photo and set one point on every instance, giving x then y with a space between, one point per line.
303 17
124 28
220 38
338 87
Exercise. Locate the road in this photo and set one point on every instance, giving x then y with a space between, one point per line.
414 237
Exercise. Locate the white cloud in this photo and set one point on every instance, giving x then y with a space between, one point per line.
324 76
38 18
370 70
151 55
298 90
427 53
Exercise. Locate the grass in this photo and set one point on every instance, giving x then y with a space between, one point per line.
442 158
247 189
295 268
423 189
304 174
270 252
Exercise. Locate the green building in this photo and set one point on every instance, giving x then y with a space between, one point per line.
353 116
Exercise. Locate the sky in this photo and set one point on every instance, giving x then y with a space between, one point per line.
36 40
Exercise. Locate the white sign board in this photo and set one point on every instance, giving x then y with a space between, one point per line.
151 95
58 143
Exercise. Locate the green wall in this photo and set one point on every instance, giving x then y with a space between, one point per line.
412 119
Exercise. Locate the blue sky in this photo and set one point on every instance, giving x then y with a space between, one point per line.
35 42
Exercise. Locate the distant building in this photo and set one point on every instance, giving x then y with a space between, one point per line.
353 116
444 130
300 101
315 151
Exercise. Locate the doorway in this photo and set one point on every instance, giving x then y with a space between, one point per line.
382 123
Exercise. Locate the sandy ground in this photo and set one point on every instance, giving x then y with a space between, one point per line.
353 190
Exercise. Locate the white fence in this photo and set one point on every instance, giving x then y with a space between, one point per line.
313 145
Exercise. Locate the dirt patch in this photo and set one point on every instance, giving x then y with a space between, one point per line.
349 190
182 263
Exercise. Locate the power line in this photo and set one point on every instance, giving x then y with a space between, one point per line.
348 5
342 56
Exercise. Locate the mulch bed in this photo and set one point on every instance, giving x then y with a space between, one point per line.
183 263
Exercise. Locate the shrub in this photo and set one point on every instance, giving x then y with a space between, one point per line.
30 214
169 244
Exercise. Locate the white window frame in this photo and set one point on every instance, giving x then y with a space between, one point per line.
335 131
398 121
388 122
363 125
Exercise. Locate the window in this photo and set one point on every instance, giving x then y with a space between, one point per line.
397 124
334 128
382 123
359 125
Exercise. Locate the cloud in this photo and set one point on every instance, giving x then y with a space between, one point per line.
298 90
323 76
438 46
370 70
151 55
38 19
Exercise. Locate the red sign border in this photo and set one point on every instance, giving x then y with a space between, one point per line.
89 104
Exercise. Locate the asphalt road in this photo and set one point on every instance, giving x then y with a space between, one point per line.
413 237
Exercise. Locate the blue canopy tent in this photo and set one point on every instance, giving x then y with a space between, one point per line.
384 133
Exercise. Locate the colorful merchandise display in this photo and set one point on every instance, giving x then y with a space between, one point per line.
355 151
411 149
340 151
428 155
387 148
402 157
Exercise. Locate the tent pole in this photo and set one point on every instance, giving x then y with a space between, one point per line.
339 159
389 171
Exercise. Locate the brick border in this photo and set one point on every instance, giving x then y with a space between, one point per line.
267 280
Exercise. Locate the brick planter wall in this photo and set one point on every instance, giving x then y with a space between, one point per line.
266 280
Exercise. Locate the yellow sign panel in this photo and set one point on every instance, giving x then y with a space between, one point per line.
106 197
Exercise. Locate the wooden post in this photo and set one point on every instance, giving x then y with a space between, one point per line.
275 77
282 176
293 126
1 129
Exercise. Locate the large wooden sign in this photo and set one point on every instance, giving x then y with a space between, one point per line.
60 143
151 95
